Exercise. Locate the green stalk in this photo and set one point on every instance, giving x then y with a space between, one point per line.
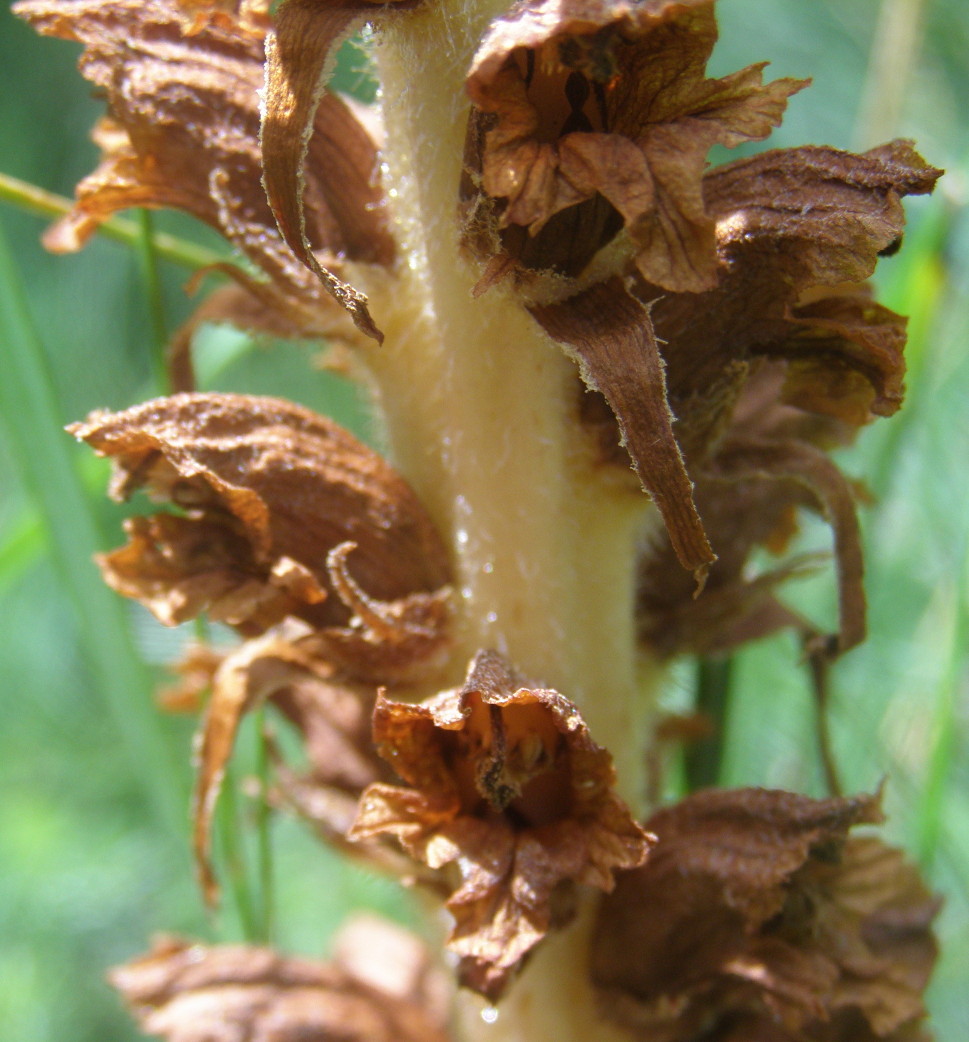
703 759
40 449
38 201
264 846
931 809
151 278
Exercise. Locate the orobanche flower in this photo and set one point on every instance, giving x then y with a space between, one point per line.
759 918
557 305
505 782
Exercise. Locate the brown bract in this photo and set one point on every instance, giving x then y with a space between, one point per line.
596 114
187 992
266 490
297 53
182 81
610 333
756 912
503 781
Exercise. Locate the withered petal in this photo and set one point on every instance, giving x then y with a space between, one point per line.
845 358
181 567
189 992
284 485
718 921
386 642
830 213
611 335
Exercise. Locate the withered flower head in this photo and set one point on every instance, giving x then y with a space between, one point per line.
756 918
266 490
186 992
503 781
596 115
182 82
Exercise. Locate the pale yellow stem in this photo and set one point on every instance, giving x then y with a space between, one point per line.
482 416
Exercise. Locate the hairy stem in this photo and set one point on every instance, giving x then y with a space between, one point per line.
482 415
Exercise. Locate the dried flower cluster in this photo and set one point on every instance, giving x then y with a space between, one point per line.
710 336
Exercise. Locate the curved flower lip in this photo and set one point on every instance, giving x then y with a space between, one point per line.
268 489
608 98
505 782
756 903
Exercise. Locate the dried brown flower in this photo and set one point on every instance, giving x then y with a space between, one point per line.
755 913
188 992
267 490
788 357
182 82
505 782
596 114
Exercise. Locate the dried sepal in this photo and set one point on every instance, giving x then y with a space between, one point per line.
267 489
611 336
186 992
597 115
756 909
503 781
182 83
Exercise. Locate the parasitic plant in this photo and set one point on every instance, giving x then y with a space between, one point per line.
606 375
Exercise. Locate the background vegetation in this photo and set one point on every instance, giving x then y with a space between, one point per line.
94 782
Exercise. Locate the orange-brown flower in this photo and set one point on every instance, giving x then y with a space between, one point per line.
182 81
266 490
596 115
503 781
188 992
757 918
729 398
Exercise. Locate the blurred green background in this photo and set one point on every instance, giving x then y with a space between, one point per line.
94 782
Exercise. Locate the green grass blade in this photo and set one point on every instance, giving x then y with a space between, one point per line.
264 849
155 297
36 200
22 546
944 743
42 453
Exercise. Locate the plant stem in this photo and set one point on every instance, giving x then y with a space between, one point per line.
482 416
